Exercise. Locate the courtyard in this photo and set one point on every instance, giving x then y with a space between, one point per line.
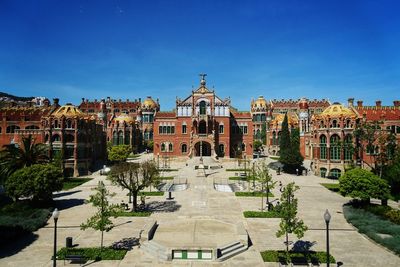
202 218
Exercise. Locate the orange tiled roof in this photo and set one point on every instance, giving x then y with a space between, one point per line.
165 114
374 113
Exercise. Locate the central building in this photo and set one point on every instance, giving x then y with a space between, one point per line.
203 125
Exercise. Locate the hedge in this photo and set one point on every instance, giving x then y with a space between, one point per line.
310 256
261 214
93 253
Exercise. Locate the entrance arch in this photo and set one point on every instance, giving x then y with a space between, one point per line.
206 147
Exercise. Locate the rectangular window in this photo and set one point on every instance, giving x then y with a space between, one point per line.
160 130
172 129
221 129
184 129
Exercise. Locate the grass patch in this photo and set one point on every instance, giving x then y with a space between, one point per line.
310 256
374 226
167 178
332 187
70 183
93 253
168 170
152 193
274 158
253 194
261 214
132 214
385 212
238 178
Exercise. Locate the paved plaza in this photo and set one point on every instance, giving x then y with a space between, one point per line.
203 217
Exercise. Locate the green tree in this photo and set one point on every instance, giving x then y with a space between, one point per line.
15 157
392 174
265 179
150 145
264 133
289 221
364 185
289 148
134 177
257 144
101 221
119 153
38 181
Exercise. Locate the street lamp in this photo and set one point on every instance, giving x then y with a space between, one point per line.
56 213
327 217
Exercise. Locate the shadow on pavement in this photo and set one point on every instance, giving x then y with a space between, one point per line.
63 204
16 245
303 246
162 206
56 195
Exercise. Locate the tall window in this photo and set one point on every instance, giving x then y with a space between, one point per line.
184 148
12 128
322 146
221 149
348 147
273 138
221 128
120 138
335 172
170 147
334 124
163 147
127 137
335 147
184 128
202 107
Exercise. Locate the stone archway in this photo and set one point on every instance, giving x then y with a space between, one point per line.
206 149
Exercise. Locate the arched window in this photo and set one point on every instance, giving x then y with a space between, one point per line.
127 137
202 107
12 128
56 124
334 124
335 173
322 147
221 128
221 148
243 147
258 134
163 147
170 147
120 138
335 147
348 123
32 127
69 138
69 124
348 147
115 138
184 148
56 138
322 172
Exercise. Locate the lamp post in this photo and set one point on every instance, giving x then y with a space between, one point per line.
327 217
56 213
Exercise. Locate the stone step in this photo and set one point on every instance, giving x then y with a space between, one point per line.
232 253
227 250
156 250
229 245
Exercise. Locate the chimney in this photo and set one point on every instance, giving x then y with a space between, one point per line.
83 99
359 103
56 102
378 103
350 102
108 99
396 103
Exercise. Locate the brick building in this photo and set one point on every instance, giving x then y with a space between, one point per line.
203 124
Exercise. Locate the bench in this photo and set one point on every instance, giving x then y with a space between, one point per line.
75 259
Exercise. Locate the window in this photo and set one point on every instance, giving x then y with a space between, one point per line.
322 148
91 110
243 129
184 129
132 110
334 124
127 137
120 138
69 124
56 138
335 147
170 147
221 150
348 123
335 173
115 138
163 147
160 130
243 147
221 128
202 107
116 110
322 172
172 129
12 128
348 147
0 129
184 148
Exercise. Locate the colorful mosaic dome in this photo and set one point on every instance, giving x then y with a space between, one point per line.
124 118
149 103
292 118
68 110
260 102
337 110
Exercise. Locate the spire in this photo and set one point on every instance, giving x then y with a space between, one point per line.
203 79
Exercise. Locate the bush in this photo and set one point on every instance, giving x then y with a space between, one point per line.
373 226
93 253
385 212
393 216
261 214
253 194
119 153
280 256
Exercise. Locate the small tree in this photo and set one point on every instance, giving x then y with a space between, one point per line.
264 133
289 148
38 181
284 143
100 221
364 185
134 177
257 144
265 179
289 222
119 153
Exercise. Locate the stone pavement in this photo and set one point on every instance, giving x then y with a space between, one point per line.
202 202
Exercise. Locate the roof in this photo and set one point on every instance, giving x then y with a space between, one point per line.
374 113
260 102
124 118
241 114
292 118
338 110
68 111
165 114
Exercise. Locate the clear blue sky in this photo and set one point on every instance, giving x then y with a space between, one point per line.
130 49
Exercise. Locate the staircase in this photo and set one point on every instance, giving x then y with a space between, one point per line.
230 250
223 187
156 250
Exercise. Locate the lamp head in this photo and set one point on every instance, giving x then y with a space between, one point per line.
56 213
327 216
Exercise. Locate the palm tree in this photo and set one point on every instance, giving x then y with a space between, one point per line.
14 157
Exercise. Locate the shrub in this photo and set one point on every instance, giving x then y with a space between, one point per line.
393 216
93 253
261 214
119 153
280 256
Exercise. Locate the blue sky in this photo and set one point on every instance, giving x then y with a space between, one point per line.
131 49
